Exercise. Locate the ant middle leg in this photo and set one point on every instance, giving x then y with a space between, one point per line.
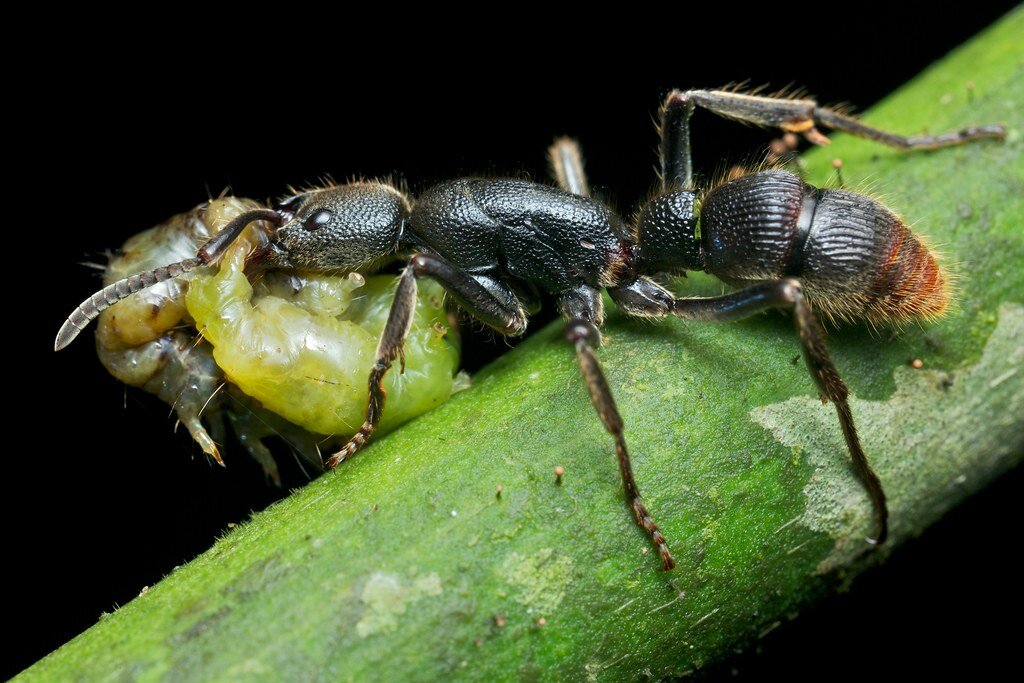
582 310
645 298
566 163
790 115
485 298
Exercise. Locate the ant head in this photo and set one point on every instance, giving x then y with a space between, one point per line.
334 229
339 228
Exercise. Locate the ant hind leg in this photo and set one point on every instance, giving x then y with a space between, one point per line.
798 116
645 298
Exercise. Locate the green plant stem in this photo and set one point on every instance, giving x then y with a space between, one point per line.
408 565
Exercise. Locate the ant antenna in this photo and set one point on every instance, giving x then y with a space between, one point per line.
91 308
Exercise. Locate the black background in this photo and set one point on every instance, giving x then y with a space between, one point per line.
127 127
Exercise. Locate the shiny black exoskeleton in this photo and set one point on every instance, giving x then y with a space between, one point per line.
534 233
494 244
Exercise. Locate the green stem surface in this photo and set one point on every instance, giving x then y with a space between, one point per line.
407 565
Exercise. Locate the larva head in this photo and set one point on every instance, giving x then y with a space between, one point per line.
339 228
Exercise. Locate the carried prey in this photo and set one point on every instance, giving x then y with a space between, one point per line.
495 244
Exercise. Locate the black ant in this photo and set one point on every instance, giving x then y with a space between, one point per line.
495 244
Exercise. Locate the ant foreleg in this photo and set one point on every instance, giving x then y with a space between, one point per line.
645 298
390 347
582 309
566 163
790 115
486 299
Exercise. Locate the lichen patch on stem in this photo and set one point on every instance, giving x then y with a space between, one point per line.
541 579
386 597
926 466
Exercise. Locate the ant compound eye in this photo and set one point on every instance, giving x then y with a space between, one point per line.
317 220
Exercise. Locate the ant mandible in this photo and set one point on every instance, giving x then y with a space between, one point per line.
495 244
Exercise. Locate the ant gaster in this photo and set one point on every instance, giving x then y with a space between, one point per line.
494 244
